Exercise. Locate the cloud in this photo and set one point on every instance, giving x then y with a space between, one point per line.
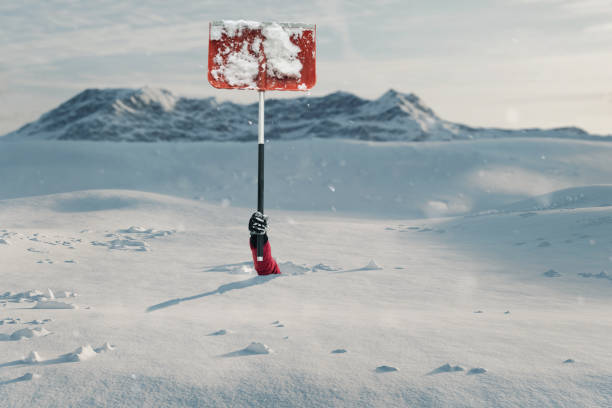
600 28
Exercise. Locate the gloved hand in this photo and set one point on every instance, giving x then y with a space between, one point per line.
258 224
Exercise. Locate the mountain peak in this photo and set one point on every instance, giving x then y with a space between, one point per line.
409 101
150 114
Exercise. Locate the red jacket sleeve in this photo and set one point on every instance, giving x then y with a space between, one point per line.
268 266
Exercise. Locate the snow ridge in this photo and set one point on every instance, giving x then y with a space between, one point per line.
151 115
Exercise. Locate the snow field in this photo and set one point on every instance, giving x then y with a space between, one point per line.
419 295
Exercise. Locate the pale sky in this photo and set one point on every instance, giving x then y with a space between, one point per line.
505 63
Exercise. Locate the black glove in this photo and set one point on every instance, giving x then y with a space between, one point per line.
258 224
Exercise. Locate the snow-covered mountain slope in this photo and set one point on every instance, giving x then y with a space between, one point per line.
501 310
157 115
416 179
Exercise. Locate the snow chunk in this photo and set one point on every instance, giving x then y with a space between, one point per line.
106 347
240 68
29 333
477 370
52 304
258 348
281 54
4 241
339 351
33 358
81 354
371 266
231 28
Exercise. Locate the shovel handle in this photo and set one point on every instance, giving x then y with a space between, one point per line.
260 172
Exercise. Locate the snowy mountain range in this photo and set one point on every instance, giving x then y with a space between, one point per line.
150 115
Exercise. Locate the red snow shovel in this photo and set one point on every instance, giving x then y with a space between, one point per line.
263 57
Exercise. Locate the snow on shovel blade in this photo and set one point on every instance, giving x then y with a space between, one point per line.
262 56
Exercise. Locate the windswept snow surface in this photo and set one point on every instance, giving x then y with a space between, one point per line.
180 316
409 180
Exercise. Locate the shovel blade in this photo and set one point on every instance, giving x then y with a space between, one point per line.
262 56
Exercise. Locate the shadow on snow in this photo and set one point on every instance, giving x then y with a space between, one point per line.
256 280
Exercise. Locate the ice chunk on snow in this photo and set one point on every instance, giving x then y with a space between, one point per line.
258 348
53 304
81 354
4 241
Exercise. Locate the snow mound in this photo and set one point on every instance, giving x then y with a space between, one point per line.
53 304
221 332
569 361
447 368
81 354
569 198
257 348
371 266
4 241
477 370
29 333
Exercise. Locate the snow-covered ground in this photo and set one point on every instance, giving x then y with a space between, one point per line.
127 291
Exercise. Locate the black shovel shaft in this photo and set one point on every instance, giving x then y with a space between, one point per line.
260 170
260 195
